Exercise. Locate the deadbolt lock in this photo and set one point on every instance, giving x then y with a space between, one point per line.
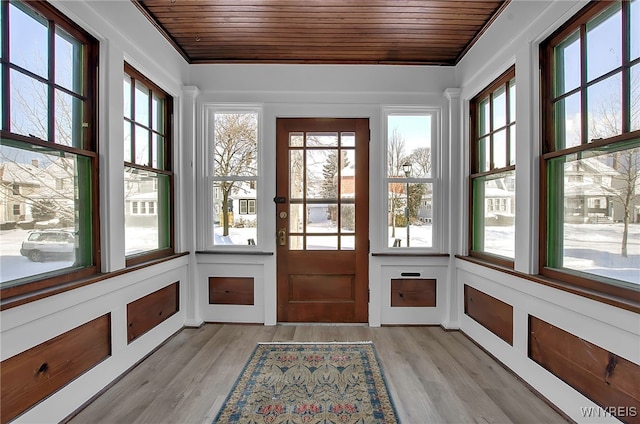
282 236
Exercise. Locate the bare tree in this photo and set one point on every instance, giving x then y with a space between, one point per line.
235 154
395 159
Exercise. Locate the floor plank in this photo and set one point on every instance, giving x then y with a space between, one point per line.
434 376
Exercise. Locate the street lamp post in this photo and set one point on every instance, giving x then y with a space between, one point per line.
406 167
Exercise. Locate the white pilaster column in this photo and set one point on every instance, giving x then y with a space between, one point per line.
188 147
453 188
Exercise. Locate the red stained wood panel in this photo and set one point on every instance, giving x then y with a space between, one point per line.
493 314
30 376
321 288
608 379
231 290
413 292
149 311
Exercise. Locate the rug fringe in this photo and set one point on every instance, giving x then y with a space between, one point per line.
315 343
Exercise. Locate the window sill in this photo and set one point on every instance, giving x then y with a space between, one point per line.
233 252
14 301
410 254
632 305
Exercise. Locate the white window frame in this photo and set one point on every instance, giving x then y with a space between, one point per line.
435 178
206 237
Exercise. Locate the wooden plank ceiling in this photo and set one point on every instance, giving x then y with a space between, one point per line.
424 32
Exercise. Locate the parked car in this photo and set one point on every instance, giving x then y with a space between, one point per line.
48 244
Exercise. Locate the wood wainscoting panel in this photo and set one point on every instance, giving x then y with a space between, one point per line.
30 376
413 292
231 291
493 314
147 312
607 379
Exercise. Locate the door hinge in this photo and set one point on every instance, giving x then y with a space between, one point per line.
368 246
368 295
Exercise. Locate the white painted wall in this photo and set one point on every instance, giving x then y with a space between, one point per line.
124 34
518 32
317 91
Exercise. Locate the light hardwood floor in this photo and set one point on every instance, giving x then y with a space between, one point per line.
433 376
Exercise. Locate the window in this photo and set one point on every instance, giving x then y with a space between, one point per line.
233 142
590 179
493 167
48 86
148 176
410 178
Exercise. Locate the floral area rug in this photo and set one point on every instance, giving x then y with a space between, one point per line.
322 383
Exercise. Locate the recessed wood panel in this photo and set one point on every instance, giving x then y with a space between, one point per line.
607 379
149 311
231 291
493 314
413 292
321 288
31 376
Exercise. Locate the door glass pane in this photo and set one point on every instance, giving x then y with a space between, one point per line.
604 42
322 139
348 139
322 218
68 61
500 149
296 243
347 243
296 139
348 174
68 118
296 174
322 174
296 218
29 101
29 39
322 243
347 218
604 114
499 108
568 122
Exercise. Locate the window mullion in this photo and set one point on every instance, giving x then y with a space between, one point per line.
584 122
51 104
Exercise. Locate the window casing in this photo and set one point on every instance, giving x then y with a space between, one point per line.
411 180
590 168
233 172
148 169
48 80
493 167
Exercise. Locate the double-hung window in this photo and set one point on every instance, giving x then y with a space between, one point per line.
590 172
148 176
411 178
232 140
493 167
48 148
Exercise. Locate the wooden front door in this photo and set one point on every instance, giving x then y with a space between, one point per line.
322 211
